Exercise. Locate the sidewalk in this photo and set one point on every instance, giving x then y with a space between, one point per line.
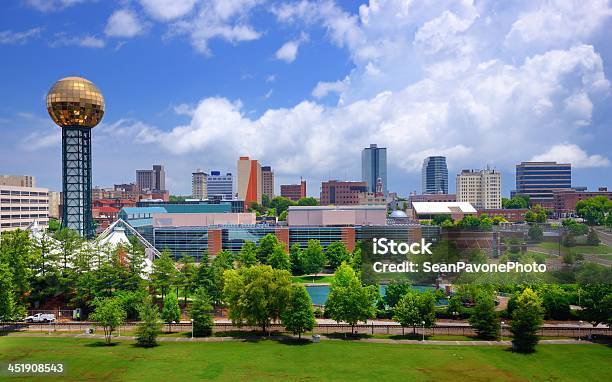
323 338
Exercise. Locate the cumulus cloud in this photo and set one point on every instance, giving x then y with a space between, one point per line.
324 88
10 37
52 5
124 23
223 19
87 41
570 153
166 10
289 50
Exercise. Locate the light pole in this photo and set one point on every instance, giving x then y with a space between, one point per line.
423 322
192 328
501 330
579 325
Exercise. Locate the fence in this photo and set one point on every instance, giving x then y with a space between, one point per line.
390 329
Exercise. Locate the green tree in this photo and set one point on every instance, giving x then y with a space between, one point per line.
171 312
556 302
136 263
536 215
256 295
348 299
535 233
248 254
594 210
592 238
201 314
394 291
70 242
313 257
415 309
483 318
517 202
307 201
7 298
222 262
187 277
149 327
593 301
15 251
266 247
337 253
526 320
279 259
164 273
298 316
280 204
295 255
282 216
108 313
455 306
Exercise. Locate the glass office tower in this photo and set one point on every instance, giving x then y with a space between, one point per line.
434 175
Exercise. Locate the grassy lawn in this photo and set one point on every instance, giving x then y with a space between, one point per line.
587 249
327 279
86 360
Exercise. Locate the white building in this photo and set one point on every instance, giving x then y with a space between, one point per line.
220 185
198 185
22 206
481 188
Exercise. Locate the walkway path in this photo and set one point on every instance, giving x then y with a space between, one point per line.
323 338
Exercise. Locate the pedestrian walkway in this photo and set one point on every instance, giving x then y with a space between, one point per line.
323 338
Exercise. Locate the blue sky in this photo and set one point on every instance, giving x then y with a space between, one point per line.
304 85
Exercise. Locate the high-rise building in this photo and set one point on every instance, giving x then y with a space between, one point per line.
22 206
220 186
342 192
434 175
198 185
151 180
76 105
374 167
267 181
538 180
481 188
55 201
249 181
18 180
294 192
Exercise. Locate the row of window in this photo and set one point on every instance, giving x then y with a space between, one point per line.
24 201
24 209
23 193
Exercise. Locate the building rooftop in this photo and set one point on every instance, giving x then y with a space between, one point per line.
338 208
443 207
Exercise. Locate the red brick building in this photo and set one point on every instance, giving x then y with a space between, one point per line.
341 193
565 200
294 191
513 215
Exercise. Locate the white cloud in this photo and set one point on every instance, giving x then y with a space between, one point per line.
166 10
53 5
223 19
324 88
560 21
124 23
570 153
87 41
288 52
10 37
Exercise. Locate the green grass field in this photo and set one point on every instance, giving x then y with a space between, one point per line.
586 249
86 360
313 280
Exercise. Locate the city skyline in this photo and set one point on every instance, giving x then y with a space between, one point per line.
167 108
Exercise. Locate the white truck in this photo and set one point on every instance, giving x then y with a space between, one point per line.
41 317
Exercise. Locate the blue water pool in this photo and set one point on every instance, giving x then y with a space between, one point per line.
319 293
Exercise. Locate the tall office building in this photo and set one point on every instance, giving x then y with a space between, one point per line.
18 180
538 180
374 167
481 188
249 181
294 192
198 185
21 206
149 180
342 193
220 186
434 175
267 181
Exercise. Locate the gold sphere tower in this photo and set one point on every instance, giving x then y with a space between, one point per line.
76 105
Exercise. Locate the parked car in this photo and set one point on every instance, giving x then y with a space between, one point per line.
41 317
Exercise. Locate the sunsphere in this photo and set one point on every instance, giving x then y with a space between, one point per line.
75 101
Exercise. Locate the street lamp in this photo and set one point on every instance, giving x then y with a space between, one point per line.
423 322
579 325
501 330
192 328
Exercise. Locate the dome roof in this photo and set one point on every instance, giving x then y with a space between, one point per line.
398 214
75 101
